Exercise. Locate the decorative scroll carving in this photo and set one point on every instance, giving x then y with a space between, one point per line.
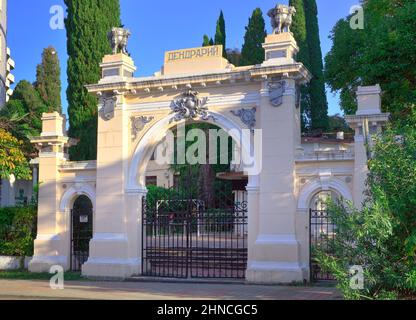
190 106
247 116
138 124
276 91
282 18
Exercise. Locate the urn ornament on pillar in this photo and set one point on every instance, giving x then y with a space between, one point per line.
282 18
119 38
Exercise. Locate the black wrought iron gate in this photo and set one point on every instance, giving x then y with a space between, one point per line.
81 231
190 234
322 233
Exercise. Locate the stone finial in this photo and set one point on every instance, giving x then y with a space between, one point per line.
282 17
119 38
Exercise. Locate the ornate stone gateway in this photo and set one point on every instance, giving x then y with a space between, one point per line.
189 234
263 237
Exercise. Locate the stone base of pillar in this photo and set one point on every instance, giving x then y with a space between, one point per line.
41 264
108 268
109 258
275 273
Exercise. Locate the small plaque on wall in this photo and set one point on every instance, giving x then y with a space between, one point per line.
276 54
83 219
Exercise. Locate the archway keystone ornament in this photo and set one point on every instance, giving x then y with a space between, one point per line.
189 106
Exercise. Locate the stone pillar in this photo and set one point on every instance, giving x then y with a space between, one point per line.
274 251
134 210
114 247
50 245
367 122
274 255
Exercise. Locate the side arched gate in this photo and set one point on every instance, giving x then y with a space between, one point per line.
81 231
322 233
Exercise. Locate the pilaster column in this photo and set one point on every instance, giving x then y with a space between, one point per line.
274 249
114 247
110 254
367 122
50 245
134 206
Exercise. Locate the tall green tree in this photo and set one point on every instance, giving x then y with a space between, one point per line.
22 115
48 79
306 30
220 34
87 25
383 52
206 42
252 52
27 100
317 93
300 33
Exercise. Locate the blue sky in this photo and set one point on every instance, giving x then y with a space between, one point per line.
157 26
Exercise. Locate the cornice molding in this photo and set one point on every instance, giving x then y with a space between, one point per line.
137 86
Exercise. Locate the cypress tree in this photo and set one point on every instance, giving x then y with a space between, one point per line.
87 25
206 43
220 35
30 103
252 52
317 93
48 79
300 33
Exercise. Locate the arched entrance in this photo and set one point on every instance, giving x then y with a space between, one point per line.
81 231
197 228
322 231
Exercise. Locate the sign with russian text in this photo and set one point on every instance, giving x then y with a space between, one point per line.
195 53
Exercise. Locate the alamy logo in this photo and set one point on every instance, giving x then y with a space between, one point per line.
197 146
357 17
57 280
357 278
57 21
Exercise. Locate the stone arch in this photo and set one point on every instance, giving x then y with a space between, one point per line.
73 193
315 186
145 148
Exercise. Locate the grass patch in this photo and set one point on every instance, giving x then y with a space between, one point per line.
25 275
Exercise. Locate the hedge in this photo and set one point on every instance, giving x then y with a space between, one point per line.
17 231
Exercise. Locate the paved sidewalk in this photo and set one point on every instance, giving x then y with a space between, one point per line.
22 289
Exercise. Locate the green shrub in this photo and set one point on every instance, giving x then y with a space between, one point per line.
17 231
154 194
381 238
